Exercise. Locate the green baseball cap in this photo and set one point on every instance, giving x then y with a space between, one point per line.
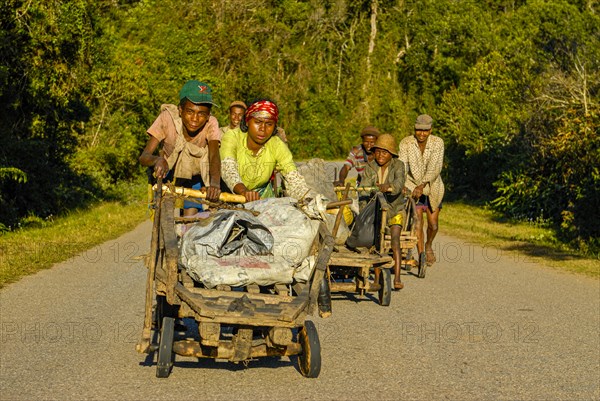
196 92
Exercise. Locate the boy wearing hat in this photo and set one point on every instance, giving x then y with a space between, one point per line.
387 173
236 110
423 155
189 137
359 155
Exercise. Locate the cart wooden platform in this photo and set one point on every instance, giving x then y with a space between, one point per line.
369 270
236 324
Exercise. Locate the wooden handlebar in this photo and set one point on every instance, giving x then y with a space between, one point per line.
358 189
195 193
231 198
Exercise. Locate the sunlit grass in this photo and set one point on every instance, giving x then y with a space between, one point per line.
29 250
536 241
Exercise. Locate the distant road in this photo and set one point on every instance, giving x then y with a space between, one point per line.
481 325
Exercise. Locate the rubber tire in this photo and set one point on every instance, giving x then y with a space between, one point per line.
309 361
165 348
422 264
324 299
385 287
164 309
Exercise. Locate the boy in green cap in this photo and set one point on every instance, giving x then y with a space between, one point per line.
189 137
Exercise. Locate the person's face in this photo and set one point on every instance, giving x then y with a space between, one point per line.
194 116
422 135
382 156
368 141
236 113
260 130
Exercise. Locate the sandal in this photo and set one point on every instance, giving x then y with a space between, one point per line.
398 285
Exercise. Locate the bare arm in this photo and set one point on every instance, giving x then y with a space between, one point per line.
214 160
343 174
147 158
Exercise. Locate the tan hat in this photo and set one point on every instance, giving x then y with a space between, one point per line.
423 122
387 142
238 103
370 130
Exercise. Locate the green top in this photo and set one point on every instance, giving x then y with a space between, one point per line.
253 170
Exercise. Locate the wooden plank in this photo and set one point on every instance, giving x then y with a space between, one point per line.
347 262
144 343
266 298
218 312
167 226
281 289
186 280
292 310
253 289
360 259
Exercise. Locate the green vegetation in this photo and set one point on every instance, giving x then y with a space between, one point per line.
534 241
45 242
513 86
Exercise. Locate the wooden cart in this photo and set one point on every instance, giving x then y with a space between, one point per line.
236 324
369 270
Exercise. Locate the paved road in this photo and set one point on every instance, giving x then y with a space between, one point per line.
481 325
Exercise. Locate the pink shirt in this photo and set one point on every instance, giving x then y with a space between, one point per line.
165 131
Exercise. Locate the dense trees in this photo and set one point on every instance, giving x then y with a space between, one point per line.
513 87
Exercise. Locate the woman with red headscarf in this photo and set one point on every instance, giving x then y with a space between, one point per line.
250 154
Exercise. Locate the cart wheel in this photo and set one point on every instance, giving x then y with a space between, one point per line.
422 265
165 349
309 361
385 287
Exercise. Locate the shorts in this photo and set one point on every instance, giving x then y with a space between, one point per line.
396 220
423 203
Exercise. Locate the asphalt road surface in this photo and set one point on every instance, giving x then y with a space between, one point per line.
481 325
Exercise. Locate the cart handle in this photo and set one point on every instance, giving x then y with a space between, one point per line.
333 205
195 193
231 198
357 189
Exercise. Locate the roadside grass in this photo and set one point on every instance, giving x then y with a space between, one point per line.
534 242
31 249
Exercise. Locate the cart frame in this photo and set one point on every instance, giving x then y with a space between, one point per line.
262 324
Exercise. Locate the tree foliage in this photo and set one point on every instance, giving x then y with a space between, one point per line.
513 90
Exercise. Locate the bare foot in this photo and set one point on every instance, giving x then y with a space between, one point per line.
429 256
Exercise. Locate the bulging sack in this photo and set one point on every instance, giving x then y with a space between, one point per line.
236 248
363 233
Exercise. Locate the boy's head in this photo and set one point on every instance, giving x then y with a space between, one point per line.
369 135
385 149
423 127
195 103
236 113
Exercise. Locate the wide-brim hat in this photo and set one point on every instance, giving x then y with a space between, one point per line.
370 130
196 92
387 142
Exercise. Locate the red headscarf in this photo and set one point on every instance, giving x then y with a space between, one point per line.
262 109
